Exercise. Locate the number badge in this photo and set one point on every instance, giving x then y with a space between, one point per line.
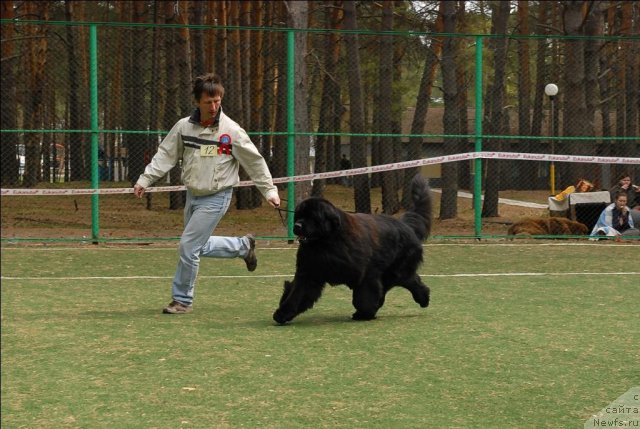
208 150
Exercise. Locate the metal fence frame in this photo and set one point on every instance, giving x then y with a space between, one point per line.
478 136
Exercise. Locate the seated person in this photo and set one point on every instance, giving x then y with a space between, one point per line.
633 195
615 219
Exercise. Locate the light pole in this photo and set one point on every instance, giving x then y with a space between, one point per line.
552 90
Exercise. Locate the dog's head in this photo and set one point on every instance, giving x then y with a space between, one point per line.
316 218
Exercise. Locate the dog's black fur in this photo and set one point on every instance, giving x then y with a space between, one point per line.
368 253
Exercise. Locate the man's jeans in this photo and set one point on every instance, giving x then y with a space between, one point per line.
201 216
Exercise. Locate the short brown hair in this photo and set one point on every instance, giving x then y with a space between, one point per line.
210 84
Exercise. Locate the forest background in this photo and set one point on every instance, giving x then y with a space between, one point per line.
370 77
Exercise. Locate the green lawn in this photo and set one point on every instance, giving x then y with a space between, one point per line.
517 336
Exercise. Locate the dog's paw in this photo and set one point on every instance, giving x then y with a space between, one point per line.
425 303
280 317
358 315
422 298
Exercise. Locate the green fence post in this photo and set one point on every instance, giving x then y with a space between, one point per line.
93 82
477 177
290 129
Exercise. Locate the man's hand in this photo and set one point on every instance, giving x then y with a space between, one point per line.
274 201
138 191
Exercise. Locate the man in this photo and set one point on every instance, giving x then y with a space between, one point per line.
211 147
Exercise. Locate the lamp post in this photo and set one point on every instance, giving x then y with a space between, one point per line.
552 90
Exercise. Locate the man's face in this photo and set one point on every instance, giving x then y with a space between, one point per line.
209 106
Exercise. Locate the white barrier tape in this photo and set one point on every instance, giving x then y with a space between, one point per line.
353 171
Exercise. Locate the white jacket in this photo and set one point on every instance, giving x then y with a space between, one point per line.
211 157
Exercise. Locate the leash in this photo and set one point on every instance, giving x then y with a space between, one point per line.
282 217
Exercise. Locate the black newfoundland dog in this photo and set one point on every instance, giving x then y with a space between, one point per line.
368 253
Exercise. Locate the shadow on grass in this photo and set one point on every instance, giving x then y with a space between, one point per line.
344 320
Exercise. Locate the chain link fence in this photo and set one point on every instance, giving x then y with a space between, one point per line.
316 101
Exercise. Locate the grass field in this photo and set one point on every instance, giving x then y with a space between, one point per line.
518 335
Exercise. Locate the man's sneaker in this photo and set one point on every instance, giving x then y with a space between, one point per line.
251 260
177 308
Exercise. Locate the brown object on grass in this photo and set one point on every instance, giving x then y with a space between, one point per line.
548 226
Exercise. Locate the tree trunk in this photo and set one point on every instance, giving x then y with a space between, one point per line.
134 89
449 199
77 142
9 160
330 92
280 81
246 197
298 16
156 97
390 203
356 113
181 52
462 85
593 26
36 64
526 173
496 111
268 111
414 148
631 83
196 14
542 78
575 121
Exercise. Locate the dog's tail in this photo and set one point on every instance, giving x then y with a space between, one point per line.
419 215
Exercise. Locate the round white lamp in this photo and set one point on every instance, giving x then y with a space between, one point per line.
551 89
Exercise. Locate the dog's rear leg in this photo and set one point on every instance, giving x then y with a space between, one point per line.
367 298
297 298
419 290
